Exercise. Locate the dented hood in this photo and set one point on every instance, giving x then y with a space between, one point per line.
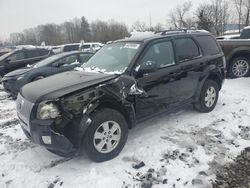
62 84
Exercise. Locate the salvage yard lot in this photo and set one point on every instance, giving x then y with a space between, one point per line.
183 149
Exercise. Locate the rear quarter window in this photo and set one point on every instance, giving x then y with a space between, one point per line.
208 45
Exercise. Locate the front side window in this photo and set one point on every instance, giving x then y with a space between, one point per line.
186 49
85 57
161 53
16 57
113 58
67 61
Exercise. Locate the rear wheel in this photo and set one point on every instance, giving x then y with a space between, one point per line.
106 136
208 97
239 67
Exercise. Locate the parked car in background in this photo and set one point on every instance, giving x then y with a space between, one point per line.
14 81
21 58
244 34
66 48
91 46
125 82
228 37
237 53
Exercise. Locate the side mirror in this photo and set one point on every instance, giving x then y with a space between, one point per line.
7 60
147 67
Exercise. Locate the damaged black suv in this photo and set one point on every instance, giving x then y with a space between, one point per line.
92 108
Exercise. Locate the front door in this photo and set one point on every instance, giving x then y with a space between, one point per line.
157 85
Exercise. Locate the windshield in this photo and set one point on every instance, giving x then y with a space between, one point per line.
47 61
113 58
5 55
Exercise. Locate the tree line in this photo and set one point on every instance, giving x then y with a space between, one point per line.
70 32
212 16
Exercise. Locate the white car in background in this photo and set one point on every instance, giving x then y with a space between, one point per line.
91 46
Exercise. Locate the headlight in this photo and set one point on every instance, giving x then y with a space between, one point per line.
47 110
20 77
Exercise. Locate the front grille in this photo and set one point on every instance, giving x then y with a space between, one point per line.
24 108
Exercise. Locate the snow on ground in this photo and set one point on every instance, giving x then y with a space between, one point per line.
183 149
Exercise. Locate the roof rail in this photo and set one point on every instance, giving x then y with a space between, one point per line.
177 31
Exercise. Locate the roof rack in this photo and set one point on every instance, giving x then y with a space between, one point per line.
177 31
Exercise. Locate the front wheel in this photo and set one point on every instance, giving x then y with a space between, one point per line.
208 97
239 67
106 136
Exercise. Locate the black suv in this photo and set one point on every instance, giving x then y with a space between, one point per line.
20 58
125 82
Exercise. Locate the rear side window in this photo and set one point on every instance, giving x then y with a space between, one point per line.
86 46
32 54
44 52
208 45
71 48
186 49
245 34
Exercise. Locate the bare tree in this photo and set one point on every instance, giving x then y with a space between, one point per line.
239 6
204 15
158 27
139 26
179 16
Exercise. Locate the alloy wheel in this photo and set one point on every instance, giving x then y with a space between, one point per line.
240 68
107 137
210 97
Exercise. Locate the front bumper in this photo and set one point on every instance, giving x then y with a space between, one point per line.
36 130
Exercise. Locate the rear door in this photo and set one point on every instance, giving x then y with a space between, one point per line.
33 56
192 63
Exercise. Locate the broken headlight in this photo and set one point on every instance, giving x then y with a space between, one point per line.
47 110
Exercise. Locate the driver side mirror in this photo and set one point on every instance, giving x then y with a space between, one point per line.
147 67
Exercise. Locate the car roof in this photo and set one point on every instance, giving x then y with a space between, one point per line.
164 34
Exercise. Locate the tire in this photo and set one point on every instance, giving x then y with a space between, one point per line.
97 143
208 97
239 67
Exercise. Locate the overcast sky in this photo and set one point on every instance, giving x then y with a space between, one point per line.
16 15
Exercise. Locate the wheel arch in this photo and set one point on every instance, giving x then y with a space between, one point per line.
125 108
210 75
